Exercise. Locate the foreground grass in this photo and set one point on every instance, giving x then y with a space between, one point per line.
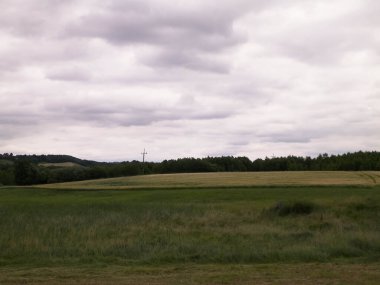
170 226
190 274
209 236
229 179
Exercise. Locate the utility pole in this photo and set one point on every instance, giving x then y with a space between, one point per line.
143 154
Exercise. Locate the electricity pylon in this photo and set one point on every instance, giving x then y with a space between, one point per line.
143 154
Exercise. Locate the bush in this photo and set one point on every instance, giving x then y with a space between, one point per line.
295 208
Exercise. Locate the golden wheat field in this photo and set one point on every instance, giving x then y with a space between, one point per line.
229 179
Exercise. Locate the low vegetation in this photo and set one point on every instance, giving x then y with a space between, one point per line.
195 274
218 235
294 208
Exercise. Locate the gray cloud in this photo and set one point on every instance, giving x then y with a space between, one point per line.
190 78
180 33
103 114
289 138
186 60
69 74
322 37
162 25
26 53
32 18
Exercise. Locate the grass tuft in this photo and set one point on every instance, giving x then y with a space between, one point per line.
292 208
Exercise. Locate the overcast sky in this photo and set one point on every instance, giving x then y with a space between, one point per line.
103 79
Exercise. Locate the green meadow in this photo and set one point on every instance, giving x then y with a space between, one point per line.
181 232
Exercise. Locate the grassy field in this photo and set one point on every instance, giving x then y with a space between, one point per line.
229 179
193 235
59 165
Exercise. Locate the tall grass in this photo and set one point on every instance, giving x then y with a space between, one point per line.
204 225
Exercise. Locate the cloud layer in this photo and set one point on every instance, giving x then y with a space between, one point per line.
104 79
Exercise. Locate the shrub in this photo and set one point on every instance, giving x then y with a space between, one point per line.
295 208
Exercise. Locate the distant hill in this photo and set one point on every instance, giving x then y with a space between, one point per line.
6 162
59 164
49 158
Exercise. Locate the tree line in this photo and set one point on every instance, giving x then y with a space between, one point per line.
40 169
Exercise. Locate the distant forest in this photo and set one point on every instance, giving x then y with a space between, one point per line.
41 169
